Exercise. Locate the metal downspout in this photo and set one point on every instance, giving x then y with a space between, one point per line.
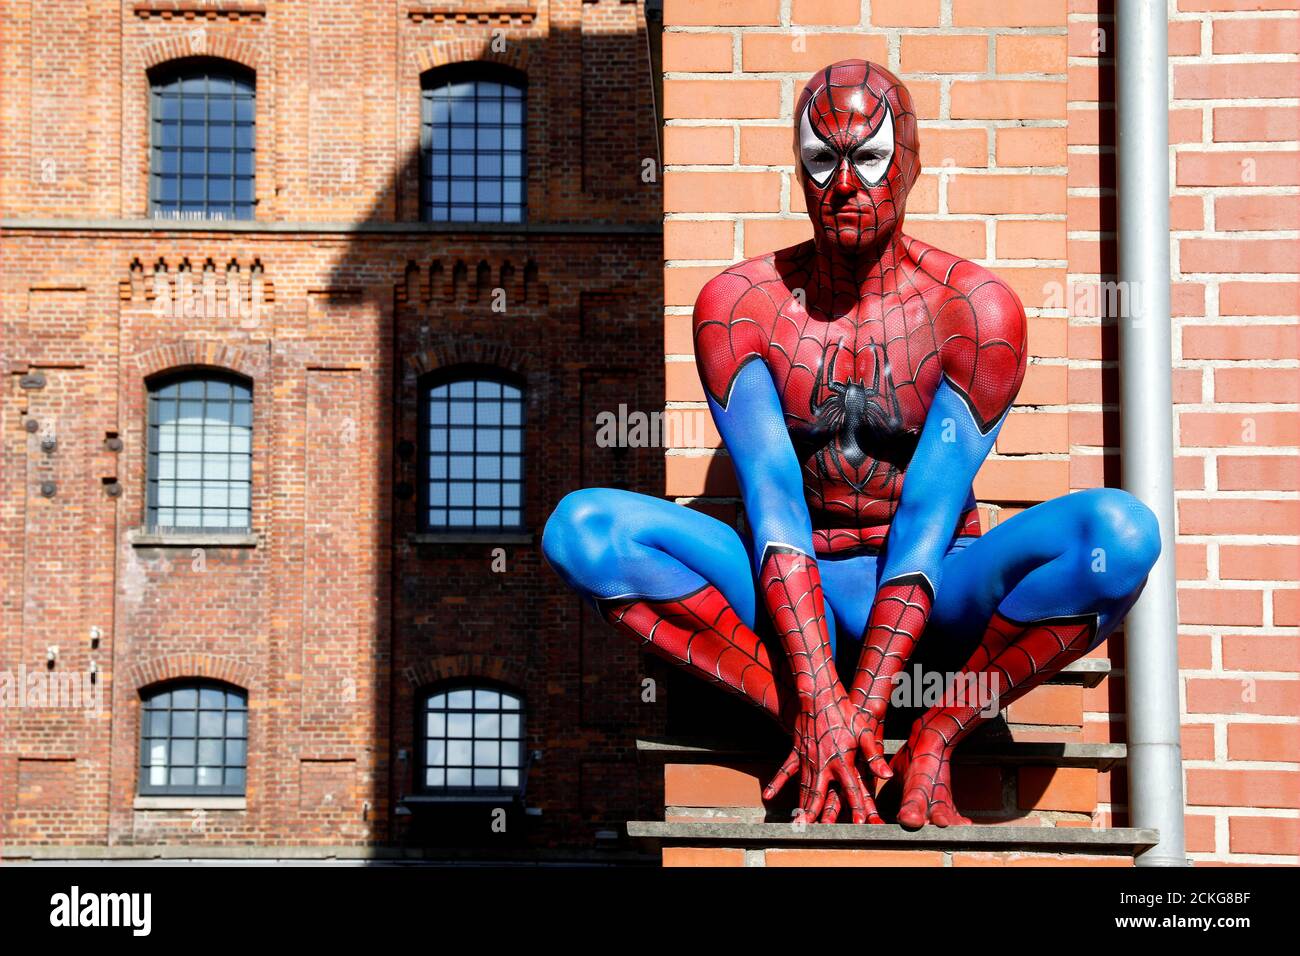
1155 770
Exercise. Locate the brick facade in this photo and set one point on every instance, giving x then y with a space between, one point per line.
333 302
1016 108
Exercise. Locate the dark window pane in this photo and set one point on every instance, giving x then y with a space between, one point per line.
183 753
210 115
472 134
221 137
210 752
181 778
211 723
211 697
221 164
473 435
192 741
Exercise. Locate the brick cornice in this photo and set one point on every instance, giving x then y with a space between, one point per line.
471 13
200 9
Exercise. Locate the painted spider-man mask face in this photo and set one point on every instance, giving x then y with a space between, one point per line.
855 152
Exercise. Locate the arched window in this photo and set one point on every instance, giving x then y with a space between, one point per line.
200 453
194 739
472 160
472 740
202 141
472 444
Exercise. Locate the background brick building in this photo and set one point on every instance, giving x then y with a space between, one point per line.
1016 102
336 610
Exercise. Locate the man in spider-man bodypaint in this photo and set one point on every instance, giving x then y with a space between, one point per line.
858 380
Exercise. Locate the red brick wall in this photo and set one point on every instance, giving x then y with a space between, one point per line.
1016 107
336 618
1233 216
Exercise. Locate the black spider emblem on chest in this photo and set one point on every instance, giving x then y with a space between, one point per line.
857 421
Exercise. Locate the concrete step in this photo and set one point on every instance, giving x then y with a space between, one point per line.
729 843
988 751
1087 671
1128 839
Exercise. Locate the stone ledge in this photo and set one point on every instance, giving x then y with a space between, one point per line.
190 803
196 852
192 539
1129 839
997 752
1087 671
272 854
470 537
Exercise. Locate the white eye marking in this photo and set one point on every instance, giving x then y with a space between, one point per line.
818 156
871 158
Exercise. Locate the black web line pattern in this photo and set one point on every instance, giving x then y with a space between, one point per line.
950 723
680 613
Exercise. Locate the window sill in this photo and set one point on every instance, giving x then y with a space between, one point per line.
139 538
471 537
431 799
191 803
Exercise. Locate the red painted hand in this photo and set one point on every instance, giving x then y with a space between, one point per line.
865 723
823 756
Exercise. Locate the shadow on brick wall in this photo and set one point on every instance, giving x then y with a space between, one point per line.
569 308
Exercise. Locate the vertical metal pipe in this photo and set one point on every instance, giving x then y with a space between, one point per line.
1146 419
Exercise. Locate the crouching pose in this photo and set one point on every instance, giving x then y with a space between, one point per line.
858 381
